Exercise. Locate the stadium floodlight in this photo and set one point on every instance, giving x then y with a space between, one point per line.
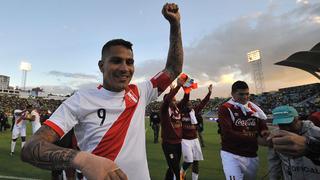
24 67
253 55
254 58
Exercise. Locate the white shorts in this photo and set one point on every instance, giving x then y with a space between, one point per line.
18 131
239 167
191 150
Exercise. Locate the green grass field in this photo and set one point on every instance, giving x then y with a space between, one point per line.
210 168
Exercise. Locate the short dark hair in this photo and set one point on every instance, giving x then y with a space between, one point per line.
239 85
115 42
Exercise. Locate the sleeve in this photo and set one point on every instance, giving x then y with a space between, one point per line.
225 123
150 90
262 125
313 144
274 165
161 81
66 116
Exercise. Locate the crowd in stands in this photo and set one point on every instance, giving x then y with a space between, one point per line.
9 103
305 98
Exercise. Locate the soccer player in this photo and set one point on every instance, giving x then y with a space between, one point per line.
108 120
35 119
191 149
171 131
240 122
19 127
155 124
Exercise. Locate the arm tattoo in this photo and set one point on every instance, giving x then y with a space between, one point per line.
41 152
175 54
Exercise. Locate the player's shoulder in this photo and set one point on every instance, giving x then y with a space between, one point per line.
91 90
226 105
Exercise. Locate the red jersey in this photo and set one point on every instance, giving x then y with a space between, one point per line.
189 130
170 120
238 131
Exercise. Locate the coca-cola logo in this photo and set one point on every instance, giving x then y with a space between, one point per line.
248 122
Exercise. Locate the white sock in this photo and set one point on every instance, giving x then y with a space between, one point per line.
194 176
13 145
22 144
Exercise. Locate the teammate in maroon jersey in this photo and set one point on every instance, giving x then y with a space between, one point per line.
241 122
171 131
191 149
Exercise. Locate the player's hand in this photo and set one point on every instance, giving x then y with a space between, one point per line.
210 88
265 133
288 143
171 12
180 82
96 167
172 86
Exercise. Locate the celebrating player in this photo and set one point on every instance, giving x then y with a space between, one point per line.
191 149
108 120
19 127
171 131
240 122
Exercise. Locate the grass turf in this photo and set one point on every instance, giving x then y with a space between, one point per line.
210 168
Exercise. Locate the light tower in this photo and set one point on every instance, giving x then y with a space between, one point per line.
254 59
24 67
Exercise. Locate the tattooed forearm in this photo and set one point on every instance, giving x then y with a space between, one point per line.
41 152
175 54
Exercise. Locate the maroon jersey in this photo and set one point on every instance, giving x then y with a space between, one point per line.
189 130
170 120
238 131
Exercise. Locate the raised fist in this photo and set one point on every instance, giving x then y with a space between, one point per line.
171 12
210 88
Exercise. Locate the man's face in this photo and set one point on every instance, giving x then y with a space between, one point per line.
117 68
173 103
291 127
241 96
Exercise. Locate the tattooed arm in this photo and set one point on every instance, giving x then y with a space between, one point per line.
175 54
41 152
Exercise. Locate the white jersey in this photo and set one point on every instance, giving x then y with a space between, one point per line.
19 128
111 124
20 121
36 123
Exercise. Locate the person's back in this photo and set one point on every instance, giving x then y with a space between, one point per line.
19 117
35 120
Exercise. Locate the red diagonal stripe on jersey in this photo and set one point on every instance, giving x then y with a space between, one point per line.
112 141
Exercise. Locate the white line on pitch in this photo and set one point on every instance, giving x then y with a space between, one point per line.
18 178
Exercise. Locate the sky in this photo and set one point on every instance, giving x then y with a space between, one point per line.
63 39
